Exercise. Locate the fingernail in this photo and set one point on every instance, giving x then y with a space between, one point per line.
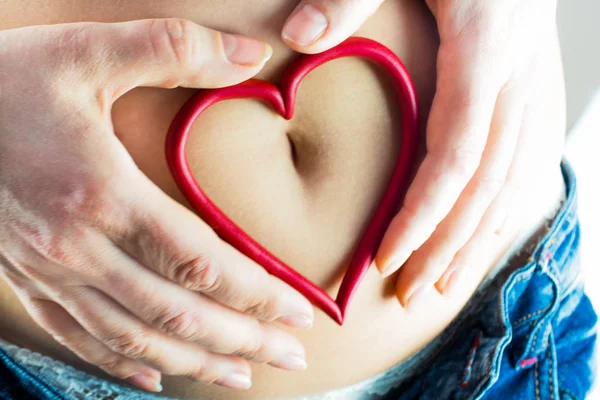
388 269
305 26
454 280
236 381
245 51
146 382
300 321
418 296
290 362
393 265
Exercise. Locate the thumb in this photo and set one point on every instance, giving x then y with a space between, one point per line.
317 25
164 53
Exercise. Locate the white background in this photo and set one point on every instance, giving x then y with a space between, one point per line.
579 30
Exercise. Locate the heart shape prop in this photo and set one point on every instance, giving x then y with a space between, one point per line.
282 100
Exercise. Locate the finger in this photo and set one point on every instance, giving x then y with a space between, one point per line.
493 226
515 211
457 133
163 53
430 261
164 305
189 316
317 25
66 331
168 238
126 335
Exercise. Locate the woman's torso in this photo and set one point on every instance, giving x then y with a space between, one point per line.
308 209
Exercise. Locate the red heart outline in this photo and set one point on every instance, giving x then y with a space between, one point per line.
283 102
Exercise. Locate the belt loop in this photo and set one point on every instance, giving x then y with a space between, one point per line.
541 329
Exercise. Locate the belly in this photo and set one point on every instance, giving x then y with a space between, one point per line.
303 188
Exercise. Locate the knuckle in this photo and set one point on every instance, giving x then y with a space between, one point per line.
75 40
251 349
75 200
134 344
250 352
273 301
464 162
202 273
489 186
76 47
92 202
465 99
51 243
258 305
409 211
185 324
173 37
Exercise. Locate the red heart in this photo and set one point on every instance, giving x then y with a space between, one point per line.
282 100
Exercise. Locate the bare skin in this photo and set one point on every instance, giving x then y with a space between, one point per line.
309 213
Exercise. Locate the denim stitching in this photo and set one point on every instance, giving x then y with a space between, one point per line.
544 336
529 316
507 330
523 277
565 227
550 377
534 339
500 344
537 382
548 314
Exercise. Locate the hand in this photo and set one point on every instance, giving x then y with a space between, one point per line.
111 267
490 57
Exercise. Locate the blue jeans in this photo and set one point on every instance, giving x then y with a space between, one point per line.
534 337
